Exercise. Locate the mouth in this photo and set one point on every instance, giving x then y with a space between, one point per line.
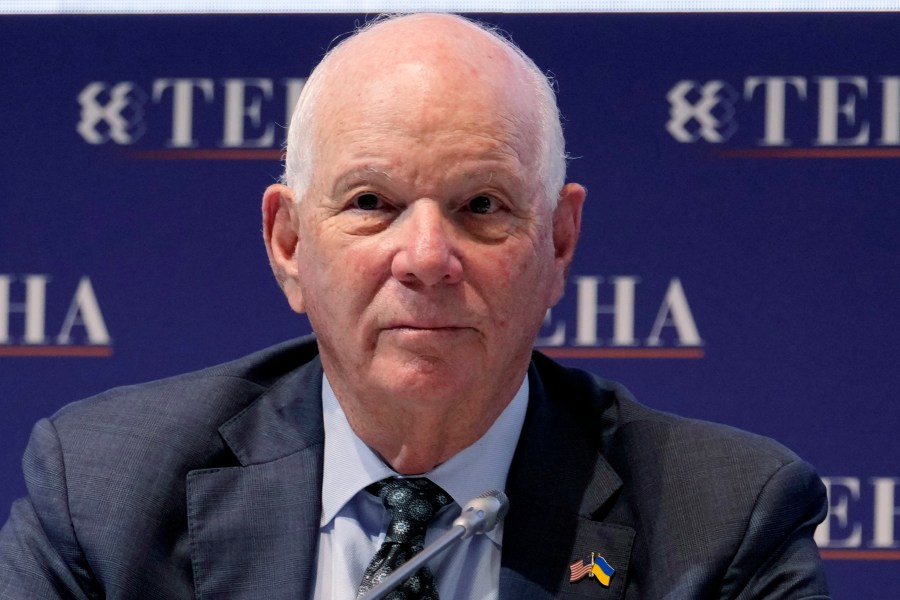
420 339
427 328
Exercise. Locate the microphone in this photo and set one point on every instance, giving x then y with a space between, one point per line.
480 515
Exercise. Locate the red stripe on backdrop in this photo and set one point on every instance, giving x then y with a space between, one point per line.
556 352
51 351
860 554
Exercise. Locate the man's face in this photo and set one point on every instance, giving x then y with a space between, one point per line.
426 257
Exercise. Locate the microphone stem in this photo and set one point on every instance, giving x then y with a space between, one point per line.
412 565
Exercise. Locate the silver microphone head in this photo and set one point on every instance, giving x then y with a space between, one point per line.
481 514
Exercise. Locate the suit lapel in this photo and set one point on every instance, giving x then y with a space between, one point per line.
559 486
254 528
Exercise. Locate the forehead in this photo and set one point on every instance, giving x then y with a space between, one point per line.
426 79
424 140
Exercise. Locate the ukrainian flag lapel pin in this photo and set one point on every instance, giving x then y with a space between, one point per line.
597 568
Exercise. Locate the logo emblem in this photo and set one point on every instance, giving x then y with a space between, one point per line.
111 112
701 111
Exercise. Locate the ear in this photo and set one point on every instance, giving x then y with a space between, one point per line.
566 228
281 235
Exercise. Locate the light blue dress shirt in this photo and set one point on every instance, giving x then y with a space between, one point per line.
354 521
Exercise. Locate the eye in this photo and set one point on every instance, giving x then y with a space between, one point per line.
367 202
482 205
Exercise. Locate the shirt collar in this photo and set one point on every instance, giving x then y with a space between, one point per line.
350 465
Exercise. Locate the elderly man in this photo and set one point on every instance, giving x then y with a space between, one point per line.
425 228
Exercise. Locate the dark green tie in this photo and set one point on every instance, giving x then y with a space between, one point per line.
411 503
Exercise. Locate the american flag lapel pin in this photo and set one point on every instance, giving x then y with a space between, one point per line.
597 568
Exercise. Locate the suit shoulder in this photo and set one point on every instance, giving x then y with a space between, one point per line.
177 417
214 388
696 441
631 429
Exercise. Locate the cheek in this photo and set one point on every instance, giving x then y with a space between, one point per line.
517 286
530 264
535 279
315 270
341 278
361 264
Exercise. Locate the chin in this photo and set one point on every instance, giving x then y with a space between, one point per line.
426 376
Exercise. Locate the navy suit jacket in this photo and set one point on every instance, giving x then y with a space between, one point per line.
207 485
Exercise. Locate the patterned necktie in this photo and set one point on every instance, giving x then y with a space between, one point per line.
411 503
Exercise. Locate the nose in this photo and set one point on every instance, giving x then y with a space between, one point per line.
426 250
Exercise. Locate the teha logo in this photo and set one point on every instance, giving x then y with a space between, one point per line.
823 116
176 118
82 331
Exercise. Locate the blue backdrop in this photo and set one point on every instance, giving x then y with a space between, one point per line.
739 260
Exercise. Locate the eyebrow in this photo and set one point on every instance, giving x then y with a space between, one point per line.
354 176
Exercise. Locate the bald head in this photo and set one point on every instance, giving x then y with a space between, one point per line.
434 62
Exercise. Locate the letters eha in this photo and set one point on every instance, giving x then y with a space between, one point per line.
674 312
